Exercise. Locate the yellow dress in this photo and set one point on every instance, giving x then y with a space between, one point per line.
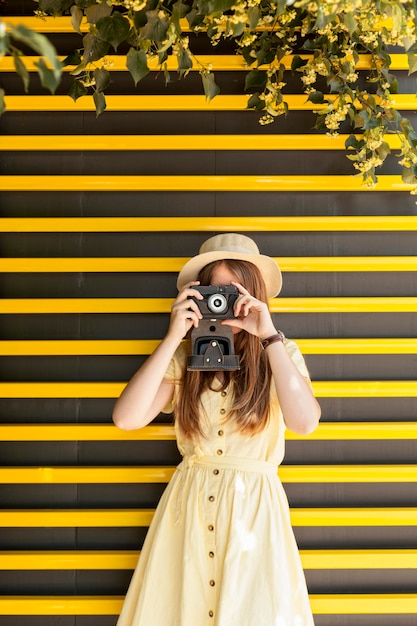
220 550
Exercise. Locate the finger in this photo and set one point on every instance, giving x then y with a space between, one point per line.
241 289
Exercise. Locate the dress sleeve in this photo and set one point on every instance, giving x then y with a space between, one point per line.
297 358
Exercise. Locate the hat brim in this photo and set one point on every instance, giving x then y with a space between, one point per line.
267 266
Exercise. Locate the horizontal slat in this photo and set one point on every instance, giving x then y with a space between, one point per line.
127 559
174 264
333 604
296 102
321 223
199 183
179 142
89 347
326 431
127 475
218 62
77 347
84 432
365 304
323 389
109 518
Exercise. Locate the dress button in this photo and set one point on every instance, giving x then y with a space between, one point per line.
224 394
216 471
211 613
211 555
221 433
219 452
211 498
211 527
212 583
222 411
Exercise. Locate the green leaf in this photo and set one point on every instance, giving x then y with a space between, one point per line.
96 12
316 97
47 76
211 90
76 18
102 78
74 58
55 7
77 90
254 17
40 44
384 150
22 71
137 64
412 62
2 102
4 41
100 102
114 29
179 11
94 48
255 80
155 29
185 62
297 62
215 6
352 142
254 102
408 176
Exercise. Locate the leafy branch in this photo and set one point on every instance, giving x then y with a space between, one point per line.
326 40
49 67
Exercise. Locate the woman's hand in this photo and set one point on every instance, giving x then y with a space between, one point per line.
252 315
185 312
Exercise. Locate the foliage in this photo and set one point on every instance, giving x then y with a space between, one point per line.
325 39
49 67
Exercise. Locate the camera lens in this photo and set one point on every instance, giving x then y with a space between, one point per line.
217 303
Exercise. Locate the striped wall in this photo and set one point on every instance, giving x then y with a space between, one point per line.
97 217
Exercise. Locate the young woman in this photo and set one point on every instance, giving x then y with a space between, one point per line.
220 550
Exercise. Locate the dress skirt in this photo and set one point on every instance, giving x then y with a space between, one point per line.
220 551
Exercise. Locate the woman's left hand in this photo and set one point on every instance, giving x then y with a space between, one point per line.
252 314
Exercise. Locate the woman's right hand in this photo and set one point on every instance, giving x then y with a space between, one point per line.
185 312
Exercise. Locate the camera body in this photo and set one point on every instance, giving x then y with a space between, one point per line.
212 345
218 301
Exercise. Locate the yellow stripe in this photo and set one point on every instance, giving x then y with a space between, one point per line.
127 475
83 432
82 475
210 224
109 518
127 559
326 431
174 264
179 142
60 605
296 102
163 305
364 604
178 224
61 347
333 604
323 389
86 347
219 62
199 183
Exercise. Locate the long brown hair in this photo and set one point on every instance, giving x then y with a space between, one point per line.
251 384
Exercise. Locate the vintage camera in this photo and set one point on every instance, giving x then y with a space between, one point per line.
212 345
218 302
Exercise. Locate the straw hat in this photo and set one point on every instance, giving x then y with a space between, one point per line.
232 246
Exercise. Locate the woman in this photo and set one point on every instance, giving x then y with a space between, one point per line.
220 550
